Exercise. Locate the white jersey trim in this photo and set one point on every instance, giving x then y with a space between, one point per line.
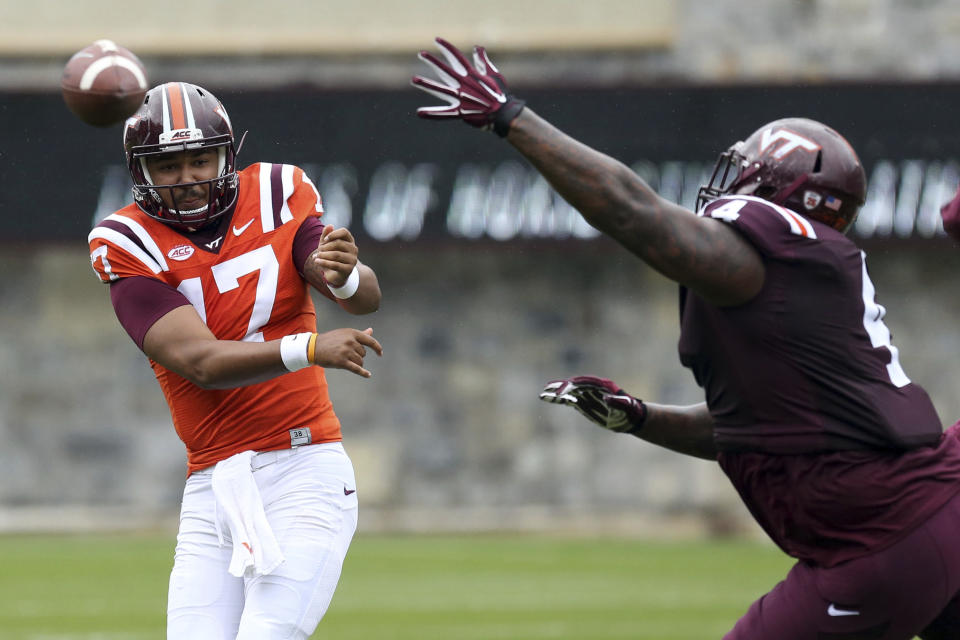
144 237
286 180
127 245
153 258
799 225
879 333
266 195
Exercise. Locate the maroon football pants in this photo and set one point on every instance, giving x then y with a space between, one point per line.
911 588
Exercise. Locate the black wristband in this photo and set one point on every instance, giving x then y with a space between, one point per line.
502 119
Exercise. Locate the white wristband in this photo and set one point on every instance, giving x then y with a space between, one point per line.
293 351
349 287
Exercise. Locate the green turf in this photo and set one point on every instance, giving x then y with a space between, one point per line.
417 587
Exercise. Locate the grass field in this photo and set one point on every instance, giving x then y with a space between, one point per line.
113 587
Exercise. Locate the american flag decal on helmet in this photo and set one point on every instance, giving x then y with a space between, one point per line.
833 203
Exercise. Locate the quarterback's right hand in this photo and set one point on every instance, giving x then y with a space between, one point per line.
600 400
345 349
474 92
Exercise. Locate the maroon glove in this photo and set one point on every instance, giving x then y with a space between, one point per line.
600 400
950 213
475 93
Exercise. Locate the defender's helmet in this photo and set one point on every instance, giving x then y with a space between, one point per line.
178 116
799 163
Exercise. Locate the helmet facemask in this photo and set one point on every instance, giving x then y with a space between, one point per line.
221 190
727 172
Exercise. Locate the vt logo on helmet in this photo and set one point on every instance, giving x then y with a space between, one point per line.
799 163
176 122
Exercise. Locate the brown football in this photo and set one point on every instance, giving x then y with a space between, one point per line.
103 83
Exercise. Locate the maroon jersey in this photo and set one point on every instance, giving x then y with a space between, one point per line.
832 447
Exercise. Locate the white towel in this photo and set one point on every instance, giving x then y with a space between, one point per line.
255 547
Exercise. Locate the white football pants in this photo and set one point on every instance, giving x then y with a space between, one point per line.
309 498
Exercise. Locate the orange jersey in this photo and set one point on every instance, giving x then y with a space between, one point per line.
250 289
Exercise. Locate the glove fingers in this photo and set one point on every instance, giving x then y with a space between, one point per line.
591 414
438 113
493 91
555 386
478 61
597 399
442 69
594 381
480 57
454 56
471 104
563 393
549 395
436 89
950 214
563 401
553 398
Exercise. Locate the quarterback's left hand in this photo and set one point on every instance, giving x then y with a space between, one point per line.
474 92
335 257
950 213
600 400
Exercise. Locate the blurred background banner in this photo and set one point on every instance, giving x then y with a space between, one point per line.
389 175
492 284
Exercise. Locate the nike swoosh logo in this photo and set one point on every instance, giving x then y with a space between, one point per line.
347 492
835 611
237 232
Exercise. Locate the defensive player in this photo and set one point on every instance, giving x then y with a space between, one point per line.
208 273
839 456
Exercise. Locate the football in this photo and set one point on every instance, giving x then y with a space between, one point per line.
103 83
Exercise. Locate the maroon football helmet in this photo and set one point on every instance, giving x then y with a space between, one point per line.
176 117
798 163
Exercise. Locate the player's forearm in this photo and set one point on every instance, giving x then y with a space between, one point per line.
225 364
367 298
684 429
611 197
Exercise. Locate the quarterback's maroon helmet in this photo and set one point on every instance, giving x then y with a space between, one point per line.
799 163
175 117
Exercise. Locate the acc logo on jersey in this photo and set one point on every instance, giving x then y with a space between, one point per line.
180 252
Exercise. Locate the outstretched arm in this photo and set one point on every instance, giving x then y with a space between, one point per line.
701 253
684 429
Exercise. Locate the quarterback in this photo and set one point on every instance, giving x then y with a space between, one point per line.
836 452
209 273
